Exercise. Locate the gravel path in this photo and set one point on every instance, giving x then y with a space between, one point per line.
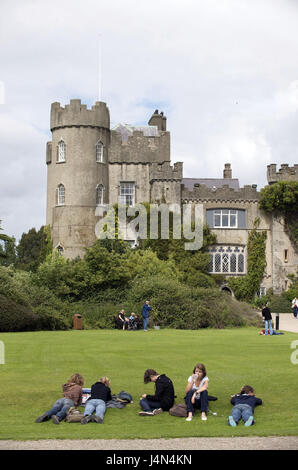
195 443
286 323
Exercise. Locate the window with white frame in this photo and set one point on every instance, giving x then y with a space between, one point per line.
224 218
227 259
262 291
61 195
61 157
127 194
99 194
99 152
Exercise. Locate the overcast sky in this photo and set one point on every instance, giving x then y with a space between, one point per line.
225 73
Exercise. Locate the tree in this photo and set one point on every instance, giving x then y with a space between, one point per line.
6 248
33 248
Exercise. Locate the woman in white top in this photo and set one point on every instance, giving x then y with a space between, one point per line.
197 392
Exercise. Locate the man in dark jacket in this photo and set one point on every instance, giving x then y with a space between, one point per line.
164 396
145 313
266 314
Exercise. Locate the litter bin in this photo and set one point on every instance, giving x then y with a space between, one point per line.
277 321
77 321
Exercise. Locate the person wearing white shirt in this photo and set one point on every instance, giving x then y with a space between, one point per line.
295 307
197 392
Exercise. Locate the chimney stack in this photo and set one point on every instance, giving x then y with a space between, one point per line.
227 173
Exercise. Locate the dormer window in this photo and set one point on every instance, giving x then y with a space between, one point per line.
61 151
99 152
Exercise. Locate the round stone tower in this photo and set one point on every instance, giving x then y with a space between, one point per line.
77 180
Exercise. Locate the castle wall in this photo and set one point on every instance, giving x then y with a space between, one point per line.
139 149
285 173
73 223
137 173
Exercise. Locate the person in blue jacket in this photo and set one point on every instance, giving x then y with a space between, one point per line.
244 404
145 313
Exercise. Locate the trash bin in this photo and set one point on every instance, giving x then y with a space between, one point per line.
277 321
77 321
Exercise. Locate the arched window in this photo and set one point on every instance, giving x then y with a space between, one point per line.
60 249
61 151
99 152
99 194
61 195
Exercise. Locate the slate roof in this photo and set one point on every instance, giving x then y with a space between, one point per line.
211 182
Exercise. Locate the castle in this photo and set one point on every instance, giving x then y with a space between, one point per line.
89 165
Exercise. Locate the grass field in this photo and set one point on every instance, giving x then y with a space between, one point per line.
37 363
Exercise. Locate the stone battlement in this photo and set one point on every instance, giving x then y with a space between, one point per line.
165 171
285 173
224 193
77 114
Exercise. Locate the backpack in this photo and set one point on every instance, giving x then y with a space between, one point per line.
178 410
124 397
74 415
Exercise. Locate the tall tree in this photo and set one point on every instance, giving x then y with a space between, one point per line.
4 239
33 248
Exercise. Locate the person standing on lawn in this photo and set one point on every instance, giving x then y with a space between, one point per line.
145 313
295 307
164 396
266 314
244 404
72 396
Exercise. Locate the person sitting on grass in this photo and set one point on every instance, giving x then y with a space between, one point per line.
197 392
244 404
164 396
100 394
72 396
122 321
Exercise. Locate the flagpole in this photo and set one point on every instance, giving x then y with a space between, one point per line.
99 69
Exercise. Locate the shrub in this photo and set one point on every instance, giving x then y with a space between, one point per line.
16 317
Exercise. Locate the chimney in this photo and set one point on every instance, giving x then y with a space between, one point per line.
159 120
227 173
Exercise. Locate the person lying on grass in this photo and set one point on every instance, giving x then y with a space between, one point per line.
100 394
197 392
164 396
244 404
72 396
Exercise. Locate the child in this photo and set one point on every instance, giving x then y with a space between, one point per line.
100 394
244 404
72 396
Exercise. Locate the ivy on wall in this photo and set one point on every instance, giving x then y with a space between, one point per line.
246 287
281 198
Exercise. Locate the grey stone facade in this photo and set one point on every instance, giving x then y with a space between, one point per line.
89 164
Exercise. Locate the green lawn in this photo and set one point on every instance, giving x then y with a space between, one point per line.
37 363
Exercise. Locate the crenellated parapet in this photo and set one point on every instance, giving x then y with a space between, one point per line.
285 173
166 172
202 193
77 114
132 146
